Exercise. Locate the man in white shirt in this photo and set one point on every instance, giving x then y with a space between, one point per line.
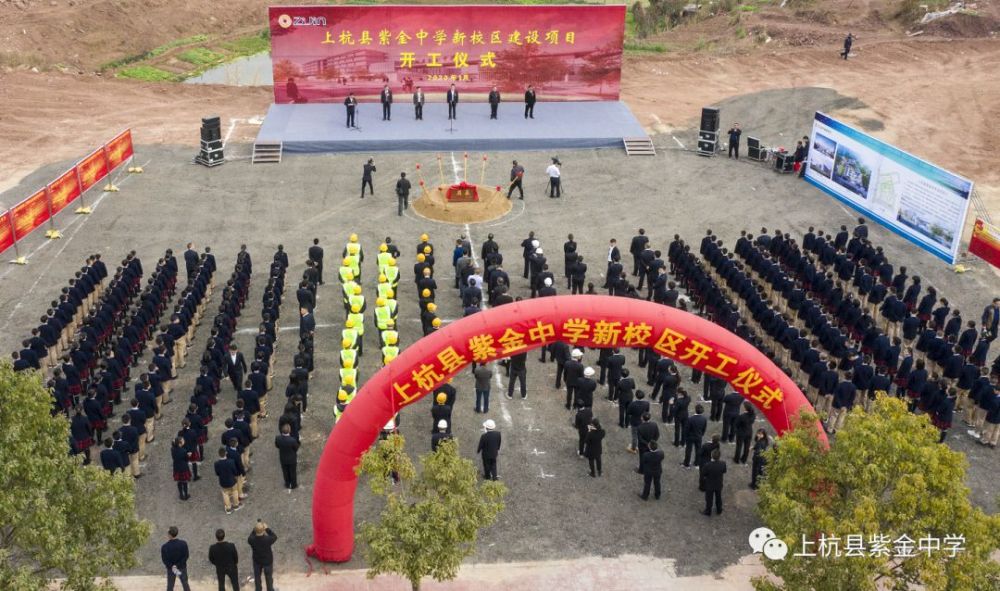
554 180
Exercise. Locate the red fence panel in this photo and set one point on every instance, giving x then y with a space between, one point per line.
119 149
92 169
64 190
30 213
6 233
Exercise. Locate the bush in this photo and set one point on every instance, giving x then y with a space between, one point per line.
147 73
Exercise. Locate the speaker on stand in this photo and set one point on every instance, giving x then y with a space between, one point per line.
211 153
708 136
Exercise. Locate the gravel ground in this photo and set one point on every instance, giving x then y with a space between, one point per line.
554 510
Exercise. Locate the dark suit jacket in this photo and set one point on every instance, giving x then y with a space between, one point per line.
418 99
224 556
695 427
386 97
651 462
452 97
529 97
712 475
239 367
316 253
174 553
288 448
489 445
494 97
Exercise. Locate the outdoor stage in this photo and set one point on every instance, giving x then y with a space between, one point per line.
318 128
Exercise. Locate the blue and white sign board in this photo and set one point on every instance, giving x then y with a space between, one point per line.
923 203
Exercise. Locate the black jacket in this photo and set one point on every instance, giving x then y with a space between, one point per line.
174 553
261 547
651 462
711 474
695 427
224 556
592 443
489 445
288 448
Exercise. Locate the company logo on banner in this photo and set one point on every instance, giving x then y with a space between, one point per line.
323 53
985 242
921 202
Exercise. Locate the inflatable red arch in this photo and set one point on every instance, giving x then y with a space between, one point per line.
496 333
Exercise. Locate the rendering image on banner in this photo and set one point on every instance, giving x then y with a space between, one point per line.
920 201
323 53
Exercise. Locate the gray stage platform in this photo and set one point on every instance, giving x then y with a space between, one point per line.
321 127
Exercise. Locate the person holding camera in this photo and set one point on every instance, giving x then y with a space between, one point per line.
260 542
366 177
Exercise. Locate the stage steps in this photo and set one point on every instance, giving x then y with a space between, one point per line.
639 146
266 152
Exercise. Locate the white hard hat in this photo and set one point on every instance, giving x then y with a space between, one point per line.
442 424
589 371
534 244
548 282
489 425
576 353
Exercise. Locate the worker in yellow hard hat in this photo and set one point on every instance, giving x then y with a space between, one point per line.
349 335
348 354
385 291
383 314
390 350
356 300
341 406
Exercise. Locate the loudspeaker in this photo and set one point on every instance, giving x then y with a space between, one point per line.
211 121
710 119
210 134
753 149
211 145
706 146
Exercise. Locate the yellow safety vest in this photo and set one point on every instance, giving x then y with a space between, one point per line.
353 248
355 264
392 275
343 270
382 316
348 372
356 299
384 289
359 322
393 308
389 352
349 354
383 260
349 334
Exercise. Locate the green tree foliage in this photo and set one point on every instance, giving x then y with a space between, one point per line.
885 474
58 518
431 521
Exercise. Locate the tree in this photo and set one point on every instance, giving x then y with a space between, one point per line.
885 475
431 521
285 69
59 518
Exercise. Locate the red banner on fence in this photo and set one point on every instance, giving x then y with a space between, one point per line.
30 213
6 232
322 53
64 190
92 169
119 149
985 242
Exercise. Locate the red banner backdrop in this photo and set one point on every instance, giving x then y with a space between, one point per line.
985 242
578 320
6 232
322 53
30 213
92 169
119 149
64 190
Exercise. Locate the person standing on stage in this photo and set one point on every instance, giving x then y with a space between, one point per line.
403 192
555 189
366 177
452 98
516 176
351 103
418 104
734 140
494 102
386 98
529 102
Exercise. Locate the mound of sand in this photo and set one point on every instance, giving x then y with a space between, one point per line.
492 204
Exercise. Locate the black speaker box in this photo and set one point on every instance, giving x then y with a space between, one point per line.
706 147
210 134
753 149
710 119
211 122
211 145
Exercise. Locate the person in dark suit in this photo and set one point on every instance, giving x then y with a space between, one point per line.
418 104
260 542
593 447
613 255
744 433
191 261
403 192
489 447
760 444
648 434
638 244
386 98
848 42
638 408
174 554
494 99
224 556
694 431
529 102
734 140
712 477
452 99
316 251
307 323
651 467
351 104
236 367
288 448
